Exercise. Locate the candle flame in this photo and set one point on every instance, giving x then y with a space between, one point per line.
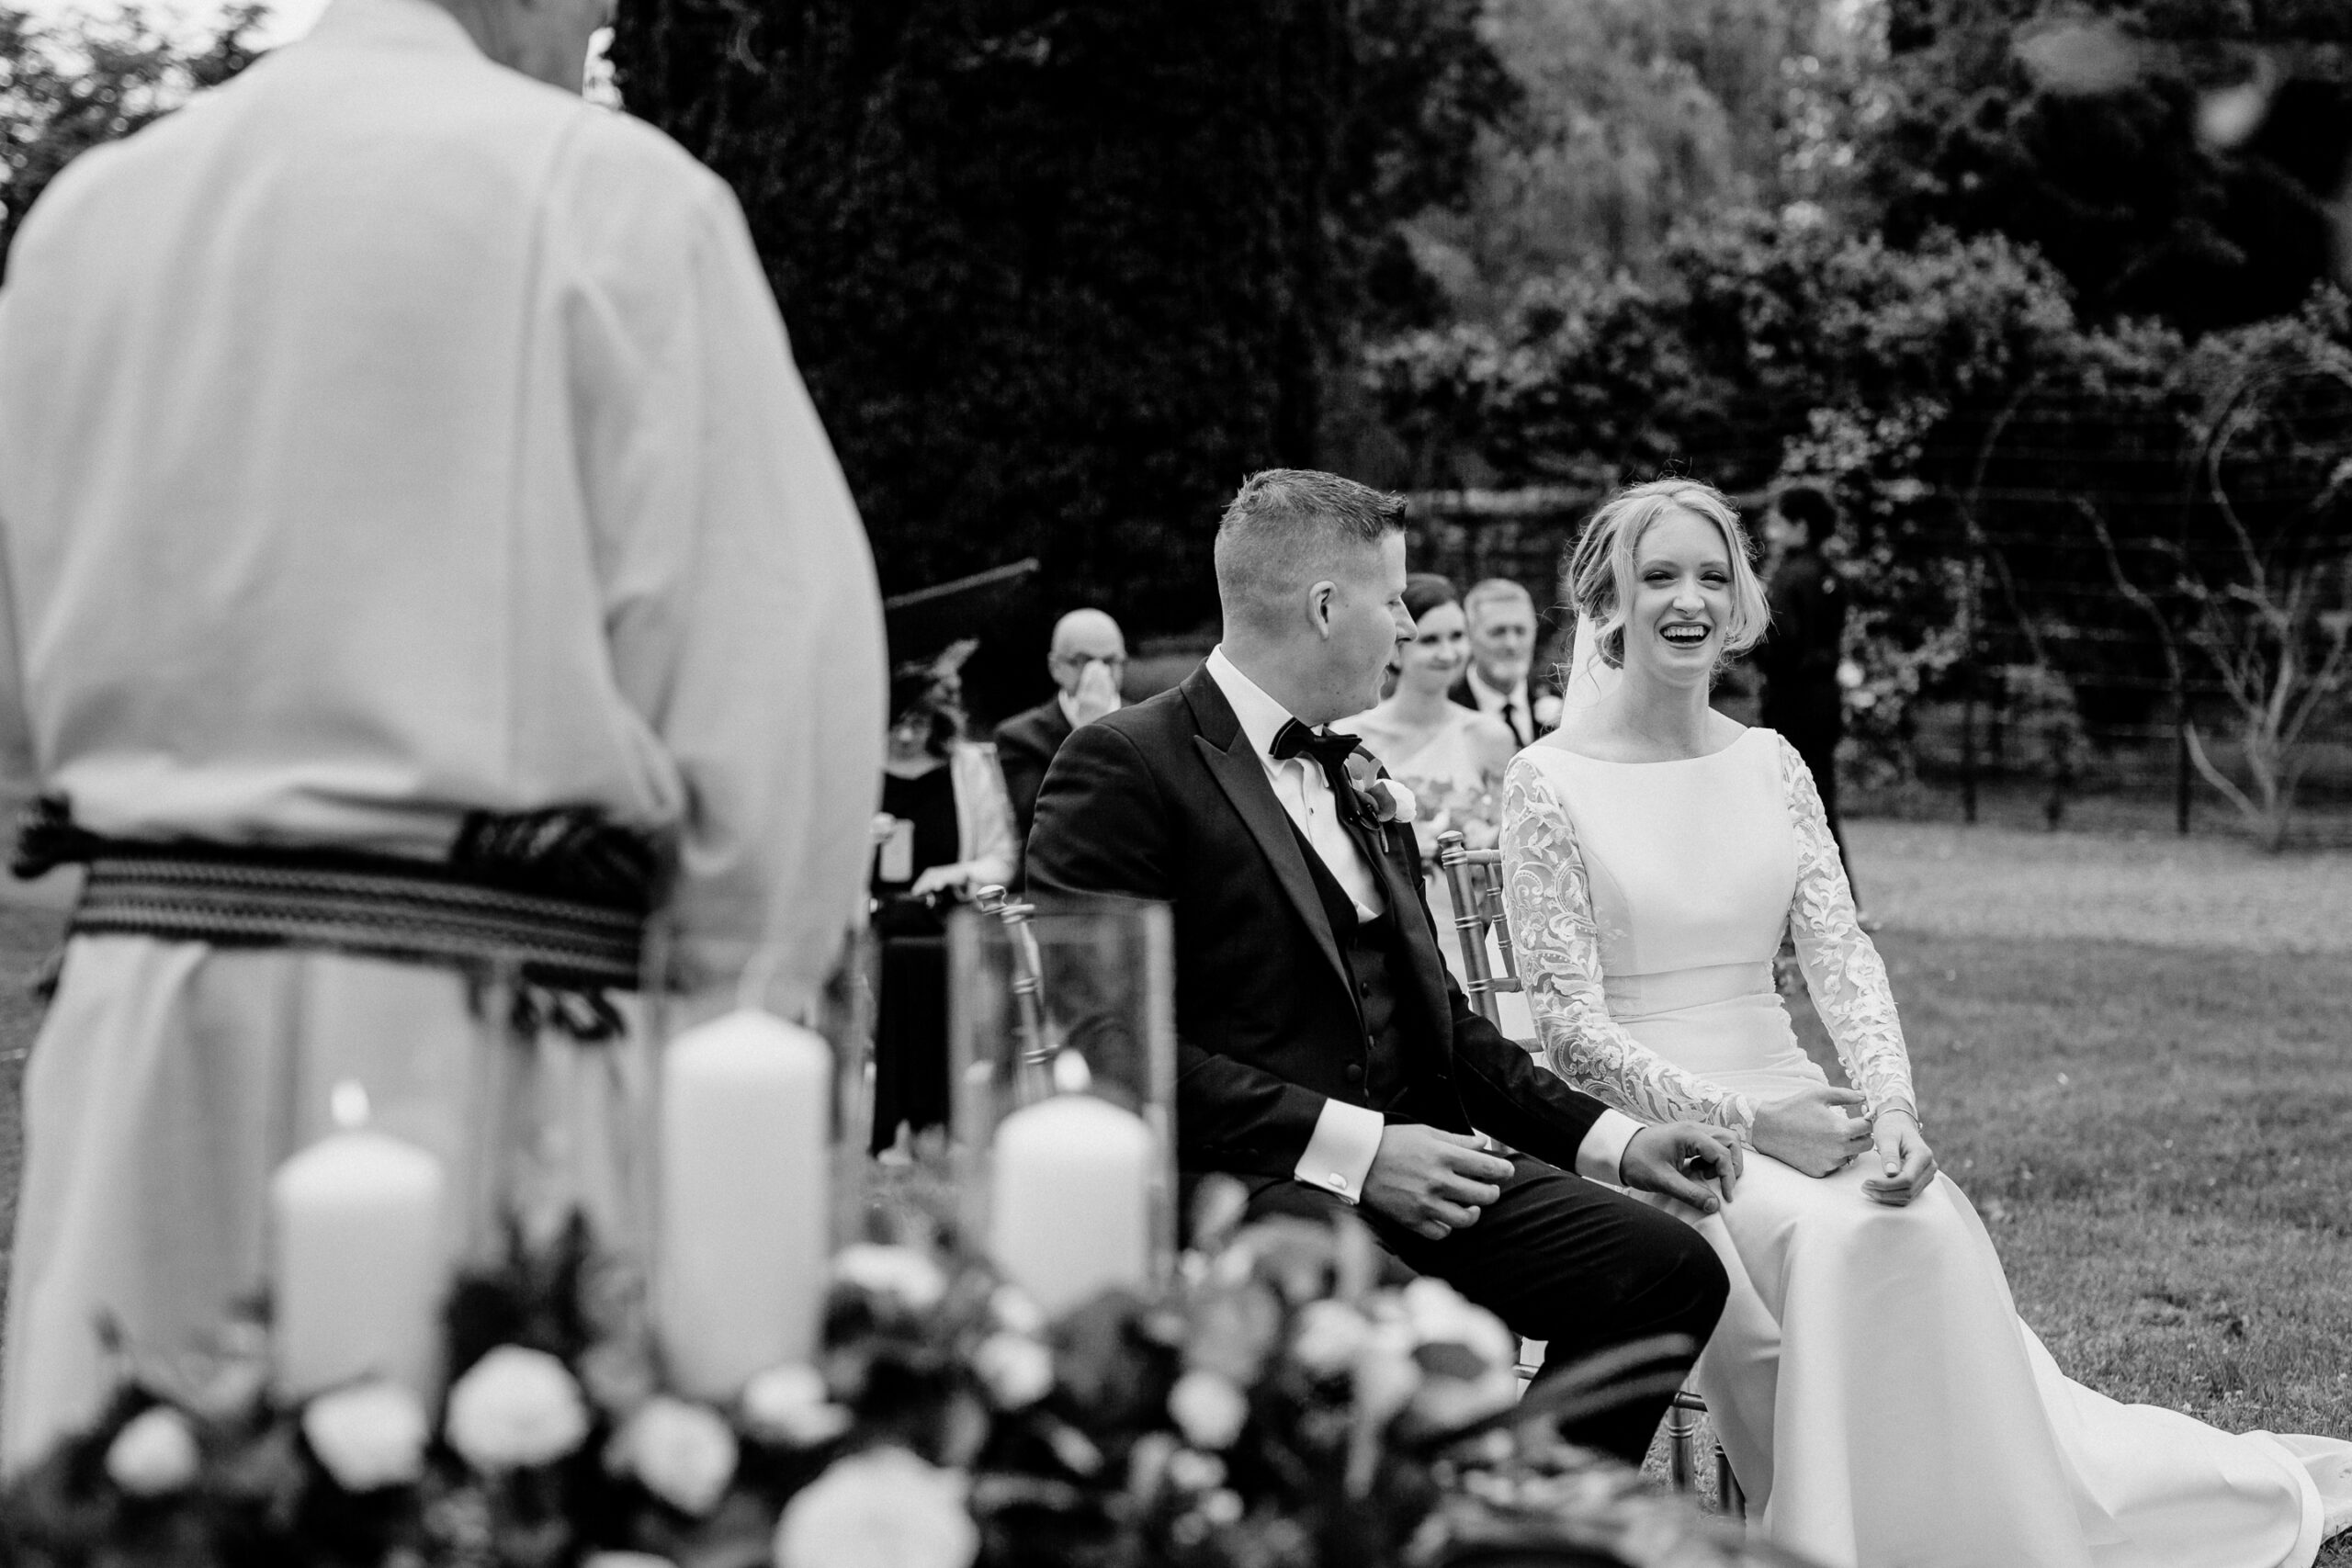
348 1105
1070 1076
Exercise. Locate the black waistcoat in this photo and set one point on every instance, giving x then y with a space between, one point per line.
1370 950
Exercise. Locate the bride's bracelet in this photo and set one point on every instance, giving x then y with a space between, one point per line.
1890 1110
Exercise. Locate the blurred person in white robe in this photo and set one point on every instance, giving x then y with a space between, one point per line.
401 459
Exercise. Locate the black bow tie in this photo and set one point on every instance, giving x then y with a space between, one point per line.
1332 751
1327 747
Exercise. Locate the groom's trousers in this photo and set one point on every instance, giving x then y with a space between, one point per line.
1563 1261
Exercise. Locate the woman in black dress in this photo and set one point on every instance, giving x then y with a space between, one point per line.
946 831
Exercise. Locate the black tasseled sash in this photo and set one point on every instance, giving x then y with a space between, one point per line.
556 899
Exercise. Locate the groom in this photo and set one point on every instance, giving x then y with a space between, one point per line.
1324 1057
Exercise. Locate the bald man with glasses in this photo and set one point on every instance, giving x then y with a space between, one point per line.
1088 663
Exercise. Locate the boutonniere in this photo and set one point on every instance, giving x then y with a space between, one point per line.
1380 798
1547 711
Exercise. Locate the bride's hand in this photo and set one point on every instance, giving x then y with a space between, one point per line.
1811 1130
1903 1154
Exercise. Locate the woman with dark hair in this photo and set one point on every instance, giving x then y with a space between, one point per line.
1451 757
945 829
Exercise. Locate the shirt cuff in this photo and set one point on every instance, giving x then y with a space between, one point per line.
1340 1156
1601 1156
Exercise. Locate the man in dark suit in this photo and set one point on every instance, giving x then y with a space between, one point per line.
1325 1057
1500 681
1799 659
1088 660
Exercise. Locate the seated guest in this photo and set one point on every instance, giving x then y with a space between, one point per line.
1501 619
1451 757
1323 1058
944 831
1088 660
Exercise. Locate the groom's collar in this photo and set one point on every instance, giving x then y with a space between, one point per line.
1260 716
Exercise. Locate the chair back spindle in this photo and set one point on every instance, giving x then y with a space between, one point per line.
1475 878
1037 1046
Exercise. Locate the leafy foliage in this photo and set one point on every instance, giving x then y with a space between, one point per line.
66 89
2087 143
1628 119
1057 277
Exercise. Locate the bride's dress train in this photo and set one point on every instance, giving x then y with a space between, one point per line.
1871 1382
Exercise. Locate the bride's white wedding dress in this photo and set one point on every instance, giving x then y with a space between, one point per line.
1870 1380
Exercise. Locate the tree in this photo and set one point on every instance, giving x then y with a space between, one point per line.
2109 146
1632 119
65 89
1059 276
2265 603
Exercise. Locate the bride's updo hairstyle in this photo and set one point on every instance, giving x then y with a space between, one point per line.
1598 578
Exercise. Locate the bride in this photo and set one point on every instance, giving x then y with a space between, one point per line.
1871 1382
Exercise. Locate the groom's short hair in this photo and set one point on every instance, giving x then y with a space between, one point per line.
1285 528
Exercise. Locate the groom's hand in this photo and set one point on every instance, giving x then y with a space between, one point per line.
1431 1181
1682 1160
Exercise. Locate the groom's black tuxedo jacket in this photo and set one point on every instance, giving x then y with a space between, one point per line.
1166 800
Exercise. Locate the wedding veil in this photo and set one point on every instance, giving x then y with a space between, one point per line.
1589 678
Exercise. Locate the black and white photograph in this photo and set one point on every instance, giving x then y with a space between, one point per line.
1094 783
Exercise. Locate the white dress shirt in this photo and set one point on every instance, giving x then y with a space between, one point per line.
1347 1137
1515 703
387 436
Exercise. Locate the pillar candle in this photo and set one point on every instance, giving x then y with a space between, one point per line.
745 1214
1070 1213
358 1273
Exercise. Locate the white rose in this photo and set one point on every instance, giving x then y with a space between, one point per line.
789 1404
1386 1375
1018 1371
884 1508
1469 1360
368 1435
1189 1470
1440 1313
1401 805
1016 1310
1331 1335
1208 1409
153 1454
900 1272
514 1408
1548 710
683 1452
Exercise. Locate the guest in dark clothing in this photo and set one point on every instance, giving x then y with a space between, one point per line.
1799 659
944 831
1088 661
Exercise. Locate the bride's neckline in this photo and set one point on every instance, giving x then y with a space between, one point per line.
1652 762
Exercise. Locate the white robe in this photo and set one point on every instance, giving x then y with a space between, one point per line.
387 436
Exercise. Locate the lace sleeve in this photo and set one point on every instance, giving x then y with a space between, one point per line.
1842 968
1557 942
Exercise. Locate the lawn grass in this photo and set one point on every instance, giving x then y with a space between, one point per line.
2150 1114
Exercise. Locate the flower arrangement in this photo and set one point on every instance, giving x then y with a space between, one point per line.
1279 1407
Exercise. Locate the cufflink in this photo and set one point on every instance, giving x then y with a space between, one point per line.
1337 1183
